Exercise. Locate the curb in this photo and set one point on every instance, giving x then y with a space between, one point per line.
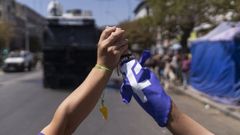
226 109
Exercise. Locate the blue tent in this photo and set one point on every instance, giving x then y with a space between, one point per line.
215 68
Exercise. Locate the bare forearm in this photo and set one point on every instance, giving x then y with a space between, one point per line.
84 98
181 124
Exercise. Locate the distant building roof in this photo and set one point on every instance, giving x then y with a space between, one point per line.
141 5
142 10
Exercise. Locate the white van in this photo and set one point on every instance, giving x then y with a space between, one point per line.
18 61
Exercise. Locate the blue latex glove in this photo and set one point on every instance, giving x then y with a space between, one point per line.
144 86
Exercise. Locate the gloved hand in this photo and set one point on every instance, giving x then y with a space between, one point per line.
143 84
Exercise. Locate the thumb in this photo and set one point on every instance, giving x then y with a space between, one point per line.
126 93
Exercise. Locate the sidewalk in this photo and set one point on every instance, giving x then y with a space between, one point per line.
228 110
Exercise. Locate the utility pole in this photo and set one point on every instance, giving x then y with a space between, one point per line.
27 42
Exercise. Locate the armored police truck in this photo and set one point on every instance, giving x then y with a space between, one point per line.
69 52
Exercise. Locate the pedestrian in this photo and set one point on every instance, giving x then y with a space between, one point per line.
169 76
185 69
76 107
175 64
160 71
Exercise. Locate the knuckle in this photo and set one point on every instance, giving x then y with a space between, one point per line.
105 31
106 43
115 52
109 50
115 34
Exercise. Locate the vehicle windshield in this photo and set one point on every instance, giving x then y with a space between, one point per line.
16 54
84 36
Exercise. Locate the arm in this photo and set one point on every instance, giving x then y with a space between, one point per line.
181 124
75 108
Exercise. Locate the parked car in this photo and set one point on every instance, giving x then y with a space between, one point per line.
18 61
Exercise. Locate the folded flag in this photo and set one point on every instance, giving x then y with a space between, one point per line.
141 83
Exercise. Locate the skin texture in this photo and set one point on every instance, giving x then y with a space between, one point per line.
76 107
181 124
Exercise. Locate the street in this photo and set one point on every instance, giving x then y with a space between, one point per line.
26 107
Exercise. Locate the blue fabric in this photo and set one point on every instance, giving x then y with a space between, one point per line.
215 68
144 86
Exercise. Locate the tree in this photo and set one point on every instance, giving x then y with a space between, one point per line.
139 32
184 15
5 35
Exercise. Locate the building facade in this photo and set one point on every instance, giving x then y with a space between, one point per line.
24 22
7 10
33 24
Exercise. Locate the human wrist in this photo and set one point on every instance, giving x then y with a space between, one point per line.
174 115
103 67
105 64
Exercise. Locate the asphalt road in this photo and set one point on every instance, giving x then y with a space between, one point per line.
26 107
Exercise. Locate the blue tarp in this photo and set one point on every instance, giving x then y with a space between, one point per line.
215 68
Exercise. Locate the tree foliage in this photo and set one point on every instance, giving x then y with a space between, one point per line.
5 35
139 32
184 15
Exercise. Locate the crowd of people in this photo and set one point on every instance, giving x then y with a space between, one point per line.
170 64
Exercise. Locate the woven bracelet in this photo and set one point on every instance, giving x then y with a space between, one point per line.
104 68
